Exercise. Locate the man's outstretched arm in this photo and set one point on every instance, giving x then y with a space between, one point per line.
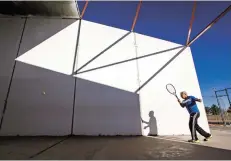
197 99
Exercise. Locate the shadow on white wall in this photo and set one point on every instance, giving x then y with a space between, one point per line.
151 124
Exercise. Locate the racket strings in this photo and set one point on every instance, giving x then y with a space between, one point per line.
171 89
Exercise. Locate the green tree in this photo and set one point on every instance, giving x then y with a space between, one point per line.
229 110
215 110
207 109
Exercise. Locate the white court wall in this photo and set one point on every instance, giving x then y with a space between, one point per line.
169 118
29 110
104 110
42 92
41 95
107 104
8 49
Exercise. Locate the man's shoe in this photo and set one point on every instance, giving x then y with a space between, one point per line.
207 138
194 141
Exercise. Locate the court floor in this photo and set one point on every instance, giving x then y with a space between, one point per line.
127 148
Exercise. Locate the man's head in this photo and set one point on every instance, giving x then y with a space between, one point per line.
151 114
183 95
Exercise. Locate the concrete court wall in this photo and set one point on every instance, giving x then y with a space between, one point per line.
169 117
29 111
41 100
8 52
111 107
42 92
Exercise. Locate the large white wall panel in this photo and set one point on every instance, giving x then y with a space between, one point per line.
123 50
103 110
147 44
95 38
149 65
170 118
106 104
122 76
55 53
10 33
40 101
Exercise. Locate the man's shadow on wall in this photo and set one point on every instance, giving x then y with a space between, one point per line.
151 124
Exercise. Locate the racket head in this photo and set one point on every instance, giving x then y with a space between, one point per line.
171 89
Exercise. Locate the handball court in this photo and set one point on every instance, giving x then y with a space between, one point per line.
115 147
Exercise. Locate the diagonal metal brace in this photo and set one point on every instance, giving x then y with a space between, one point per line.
101 53
128 60
193 40
210 24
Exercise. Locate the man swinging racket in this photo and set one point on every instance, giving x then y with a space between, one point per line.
190 103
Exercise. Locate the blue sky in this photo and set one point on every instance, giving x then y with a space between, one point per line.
170 21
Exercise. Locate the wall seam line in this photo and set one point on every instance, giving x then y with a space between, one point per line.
11 78
75 78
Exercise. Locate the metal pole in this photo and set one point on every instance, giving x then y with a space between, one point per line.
226 90
136 16
77 46
218 103
191 22
228 96
223 110
217 99
84 9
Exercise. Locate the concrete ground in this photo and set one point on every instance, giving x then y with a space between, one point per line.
221 138
127 148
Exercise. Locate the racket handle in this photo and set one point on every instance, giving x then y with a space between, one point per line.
177 97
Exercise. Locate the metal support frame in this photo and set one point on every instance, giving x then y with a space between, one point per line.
117 41
210 24
75 80
101 53
188 44
77 45
191 22
74 64
164 66
128 60
136 16
84 9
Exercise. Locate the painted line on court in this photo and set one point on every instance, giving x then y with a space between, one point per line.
42 151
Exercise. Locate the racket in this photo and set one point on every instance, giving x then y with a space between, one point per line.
171 89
